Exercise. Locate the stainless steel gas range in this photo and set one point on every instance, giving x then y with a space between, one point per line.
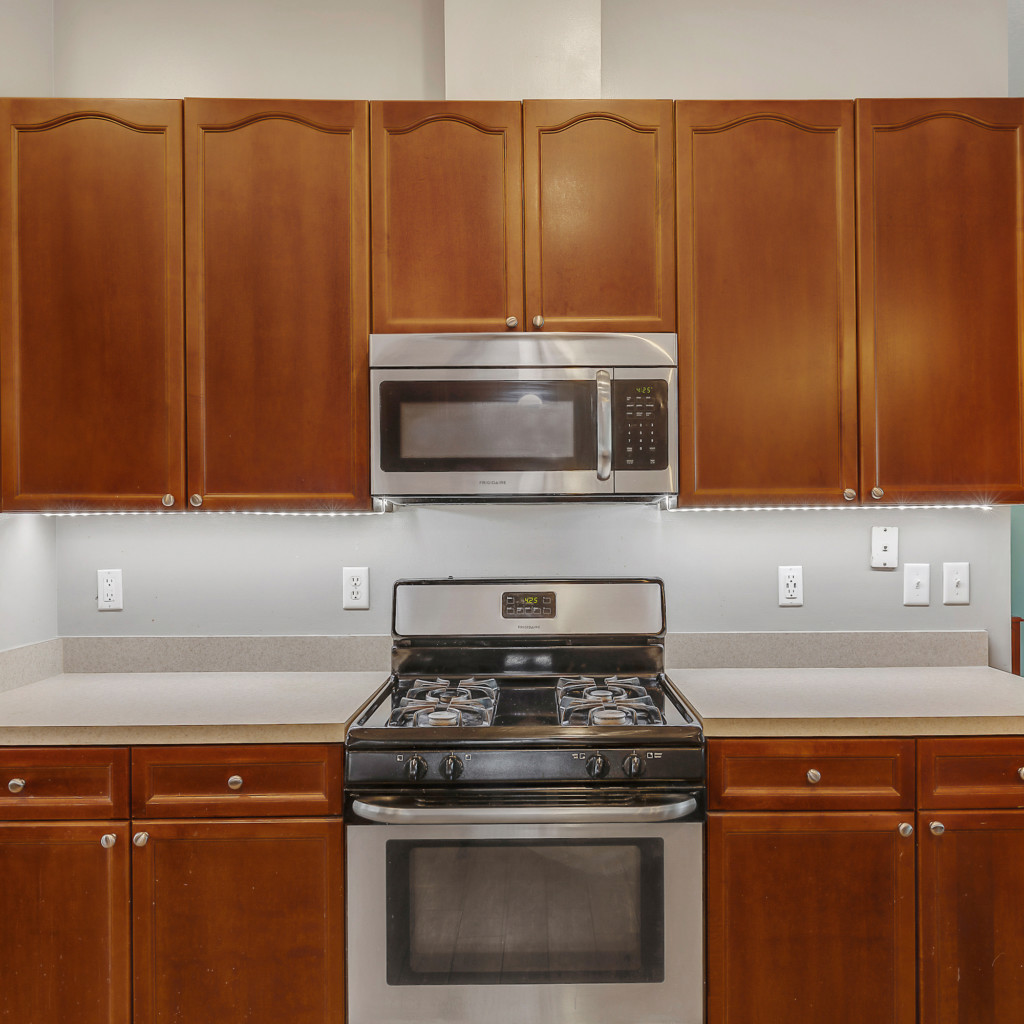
525 807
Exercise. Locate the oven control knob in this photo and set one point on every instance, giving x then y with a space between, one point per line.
597 766
415 768
633 766
451 767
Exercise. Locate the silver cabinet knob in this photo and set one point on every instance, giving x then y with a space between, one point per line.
1020 772
814 776
538 321
512 321
906 829
877 492
108 841
849 494
196 500
936 828
168 500
235 782
140 838
16 785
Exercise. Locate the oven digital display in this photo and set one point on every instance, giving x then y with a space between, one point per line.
521 605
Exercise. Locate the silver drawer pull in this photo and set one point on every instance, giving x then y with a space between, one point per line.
936 828
1020 772
16 785
140 838
906 829
108 841
814 776
235 782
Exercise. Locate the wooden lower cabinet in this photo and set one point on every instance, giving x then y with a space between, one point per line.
238 921
64 923
971 891
810 918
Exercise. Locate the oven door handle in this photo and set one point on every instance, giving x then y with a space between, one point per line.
388 813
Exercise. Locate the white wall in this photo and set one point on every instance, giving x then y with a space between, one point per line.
728 49
26 48
254 575
1015 9
28 580
313 49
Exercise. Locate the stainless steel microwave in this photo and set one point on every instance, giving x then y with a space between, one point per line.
525 416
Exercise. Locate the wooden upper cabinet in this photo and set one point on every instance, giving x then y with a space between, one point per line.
941 279
599 215
92 357
447 199
767 300
277 236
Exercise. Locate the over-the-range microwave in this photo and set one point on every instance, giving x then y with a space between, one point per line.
524 416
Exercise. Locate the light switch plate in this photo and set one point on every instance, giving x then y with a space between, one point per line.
885 547
916 583
956 582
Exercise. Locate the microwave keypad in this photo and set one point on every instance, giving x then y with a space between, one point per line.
639 424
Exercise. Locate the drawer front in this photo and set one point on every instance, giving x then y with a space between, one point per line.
782 775
971 772
50 783
236 781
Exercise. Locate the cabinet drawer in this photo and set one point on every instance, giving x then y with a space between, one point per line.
228 781
810 774
49 783
971 771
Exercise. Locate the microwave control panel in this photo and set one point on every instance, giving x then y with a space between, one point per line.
639 424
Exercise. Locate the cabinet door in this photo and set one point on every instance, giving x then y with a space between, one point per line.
599 209
278 305
91 358
941 281
972 931
238 921
447 216
767 300
64 924
810 918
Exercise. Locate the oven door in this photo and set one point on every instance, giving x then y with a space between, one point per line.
491 431
464 919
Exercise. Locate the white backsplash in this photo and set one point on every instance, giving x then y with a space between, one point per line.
246 575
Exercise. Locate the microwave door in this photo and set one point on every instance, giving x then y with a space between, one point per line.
492 432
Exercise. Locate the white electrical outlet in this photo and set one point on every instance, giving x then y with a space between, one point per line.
885 547
956 582
916 583
109 596
357 587
791 586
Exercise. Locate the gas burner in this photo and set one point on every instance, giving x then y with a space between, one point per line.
613 701
442 703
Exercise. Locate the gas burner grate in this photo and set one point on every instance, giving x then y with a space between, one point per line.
609 702
444 703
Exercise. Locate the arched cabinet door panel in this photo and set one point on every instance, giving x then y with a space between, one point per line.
91 298
447 200
277 237
767 303
941 299
600 229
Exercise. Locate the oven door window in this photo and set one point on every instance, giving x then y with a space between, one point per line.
481 426
482 912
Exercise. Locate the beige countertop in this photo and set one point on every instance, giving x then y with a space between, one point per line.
963 700
184 707
295 707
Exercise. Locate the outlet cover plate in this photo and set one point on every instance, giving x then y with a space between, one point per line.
885 547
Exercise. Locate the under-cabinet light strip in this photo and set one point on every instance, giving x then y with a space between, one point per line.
822 508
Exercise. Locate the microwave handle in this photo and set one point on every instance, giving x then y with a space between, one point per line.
604 425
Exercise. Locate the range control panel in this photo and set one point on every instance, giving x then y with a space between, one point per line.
639 424
518 605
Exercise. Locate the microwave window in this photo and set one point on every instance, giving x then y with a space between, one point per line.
529 428
481 426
